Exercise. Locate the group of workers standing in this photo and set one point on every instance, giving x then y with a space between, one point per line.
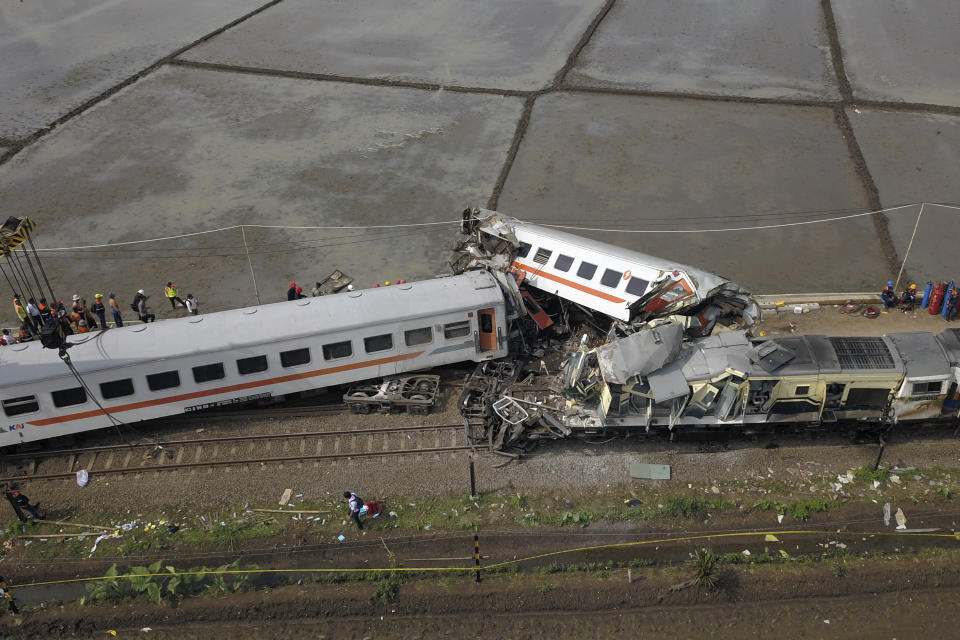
83 318
940 297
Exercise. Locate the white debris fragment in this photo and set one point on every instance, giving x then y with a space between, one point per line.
746 552
876 483
901 519
886 514
895 479
780 518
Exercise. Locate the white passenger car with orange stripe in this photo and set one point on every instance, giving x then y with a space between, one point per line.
621 283
147 371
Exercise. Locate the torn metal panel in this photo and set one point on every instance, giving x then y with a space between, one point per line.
770 356
668 383
640 353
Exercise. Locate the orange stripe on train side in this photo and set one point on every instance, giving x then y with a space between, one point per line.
218 390
569 283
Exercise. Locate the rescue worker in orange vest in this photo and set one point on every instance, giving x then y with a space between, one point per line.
173 296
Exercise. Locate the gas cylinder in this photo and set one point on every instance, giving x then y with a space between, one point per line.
936 297
926 295
946 298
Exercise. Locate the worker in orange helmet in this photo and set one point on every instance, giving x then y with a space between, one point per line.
909 298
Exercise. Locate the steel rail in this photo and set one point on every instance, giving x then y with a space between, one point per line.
230 463
258 437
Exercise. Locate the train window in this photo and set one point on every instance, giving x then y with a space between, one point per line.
418 336
378 343
925 388
637 286
295 357
116 388
542 256
802 390
69 397
611 278
337 350
165 380
20 405
456 330
586 270
253 364
563 263
524 250
208 372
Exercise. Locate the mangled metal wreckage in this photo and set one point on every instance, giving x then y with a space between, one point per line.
642 311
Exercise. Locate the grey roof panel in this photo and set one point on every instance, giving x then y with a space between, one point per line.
950 341
822 351
922 354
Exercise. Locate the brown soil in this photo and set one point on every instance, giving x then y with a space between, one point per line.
900 597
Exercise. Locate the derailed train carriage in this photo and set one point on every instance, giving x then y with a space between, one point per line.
654 380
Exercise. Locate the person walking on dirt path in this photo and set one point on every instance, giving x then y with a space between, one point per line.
114 309
355 503
100 309
173 296
192 305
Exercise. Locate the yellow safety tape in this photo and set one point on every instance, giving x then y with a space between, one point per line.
614 545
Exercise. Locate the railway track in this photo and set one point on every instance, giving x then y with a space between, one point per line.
228 451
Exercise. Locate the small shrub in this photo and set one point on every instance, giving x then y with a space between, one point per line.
388 586
866 474
838 568
944 493
578 518
705 564
544 588
518 501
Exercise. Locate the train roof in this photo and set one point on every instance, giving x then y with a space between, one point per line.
923 356
807 355
950 341
251 326
704 280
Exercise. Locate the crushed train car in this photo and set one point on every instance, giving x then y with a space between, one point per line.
626 285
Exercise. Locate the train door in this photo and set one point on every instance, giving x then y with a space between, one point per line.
488 329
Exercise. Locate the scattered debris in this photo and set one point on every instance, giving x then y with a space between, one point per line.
886 514
901 519
285 498
82 478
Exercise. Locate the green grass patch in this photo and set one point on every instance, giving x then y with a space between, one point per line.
799 509
868 475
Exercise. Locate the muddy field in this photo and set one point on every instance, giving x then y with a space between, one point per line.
675 128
